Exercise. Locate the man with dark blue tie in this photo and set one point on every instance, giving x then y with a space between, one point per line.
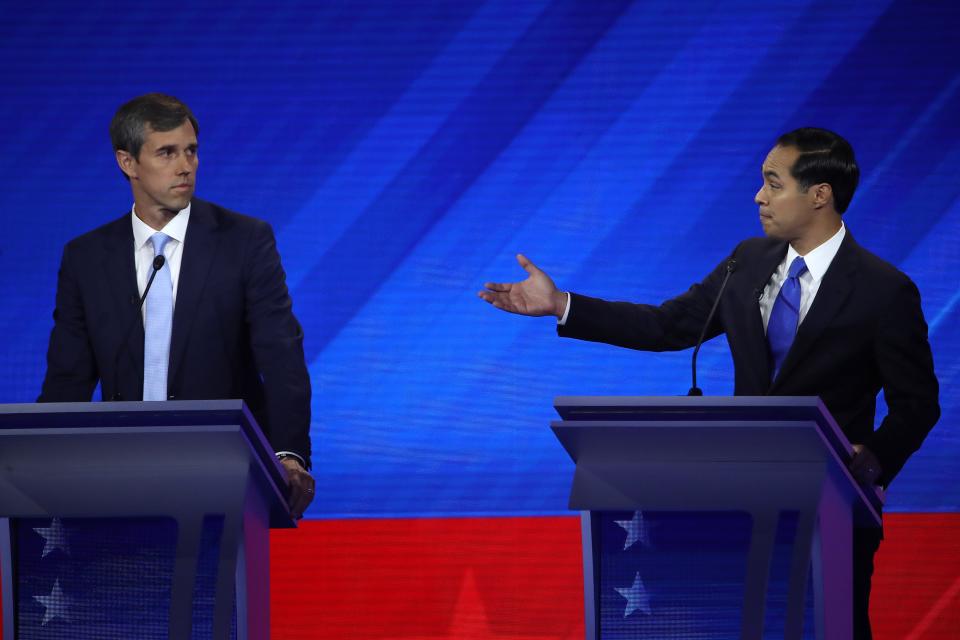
217 322
807 312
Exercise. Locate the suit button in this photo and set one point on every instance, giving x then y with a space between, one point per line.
171 397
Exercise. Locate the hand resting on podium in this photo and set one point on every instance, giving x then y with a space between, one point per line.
865 466
301 486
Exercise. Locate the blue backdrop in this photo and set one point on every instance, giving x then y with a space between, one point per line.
405 151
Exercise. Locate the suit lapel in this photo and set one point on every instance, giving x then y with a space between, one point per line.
199 249
120 274
837 284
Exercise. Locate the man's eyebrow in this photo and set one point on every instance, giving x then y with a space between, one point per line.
770 173
167 147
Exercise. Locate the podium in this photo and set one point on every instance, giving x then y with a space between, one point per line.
186 465
764 492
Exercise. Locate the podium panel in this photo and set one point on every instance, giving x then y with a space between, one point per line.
704 516
166 504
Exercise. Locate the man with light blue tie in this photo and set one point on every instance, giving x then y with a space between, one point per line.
217 320
807 312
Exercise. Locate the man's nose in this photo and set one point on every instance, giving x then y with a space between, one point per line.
759 199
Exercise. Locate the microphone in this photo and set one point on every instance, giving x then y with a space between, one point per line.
731 267
158 263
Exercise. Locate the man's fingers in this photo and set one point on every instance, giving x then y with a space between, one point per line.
492 298
858 461
528 266
300 498
300 504
865 466
300 488
504 307
859 464
498 301
502 287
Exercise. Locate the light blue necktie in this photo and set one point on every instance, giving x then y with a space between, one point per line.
159 321
785 315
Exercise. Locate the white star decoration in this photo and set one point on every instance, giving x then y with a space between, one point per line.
637 597
54 536
636 531
55 604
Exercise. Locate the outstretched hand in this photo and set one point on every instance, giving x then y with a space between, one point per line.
535 296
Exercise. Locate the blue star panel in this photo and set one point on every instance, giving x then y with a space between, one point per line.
107 578
405 151
103 579
684 577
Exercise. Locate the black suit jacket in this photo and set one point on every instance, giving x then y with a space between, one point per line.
864 332
234 333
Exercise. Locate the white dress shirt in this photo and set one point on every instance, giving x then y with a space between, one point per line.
143 253
817 261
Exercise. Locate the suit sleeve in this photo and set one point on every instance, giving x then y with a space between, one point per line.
910 388
674 325
71 367
276 340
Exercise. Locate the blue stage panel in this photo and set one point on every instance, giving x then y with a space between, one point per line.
405 152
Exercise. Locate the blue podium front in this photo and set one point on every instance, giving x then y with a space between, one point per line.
136 519
714 517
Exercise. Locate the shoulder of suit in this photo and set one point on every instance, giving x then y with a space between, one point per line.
758 246
120 228
94 239
224 217
761 243
871 265
874 267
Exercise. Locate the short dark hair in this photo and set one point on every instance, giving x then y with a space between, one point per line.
824 157
160 111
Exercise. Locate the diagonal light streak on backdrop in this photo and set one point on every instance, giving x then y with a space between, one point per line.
453 158
413 119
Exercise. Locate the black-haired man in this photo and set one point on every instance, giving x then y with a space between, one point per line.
832 319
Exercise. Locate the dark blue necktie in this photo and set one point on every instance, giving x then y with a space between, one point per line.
785 315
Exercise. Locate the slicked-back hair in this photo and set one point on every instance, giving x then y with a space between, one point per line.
160 111
825 157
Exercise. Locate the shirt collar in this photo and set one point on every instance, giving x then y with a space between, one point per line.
818 260
176 228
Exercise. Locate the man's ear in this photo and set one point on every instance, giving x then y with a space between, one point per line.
822 195
127 163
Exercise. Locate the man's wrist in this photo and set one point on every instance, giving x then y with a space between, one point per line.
565 312
560 299
283 455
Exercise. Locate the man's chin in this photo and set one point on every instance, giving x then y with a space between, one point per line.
769 230
178 204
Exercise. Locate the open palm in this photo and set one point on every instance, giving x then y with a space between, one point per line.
535 296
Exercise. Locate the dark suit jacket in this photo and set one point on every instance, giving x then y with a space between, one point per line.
864 332
234 334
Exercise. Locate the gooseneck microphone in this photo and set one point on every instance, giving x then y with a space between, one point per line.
158 263
731 267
